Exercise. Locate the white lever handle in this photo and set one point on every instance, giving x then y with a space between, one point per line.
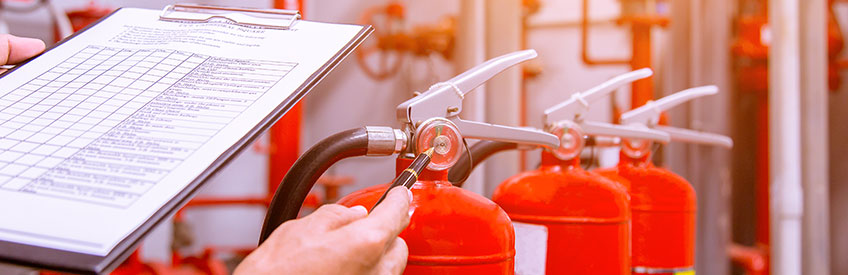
444 99
649 113
690 136
593 128
579 102
470 79
487 131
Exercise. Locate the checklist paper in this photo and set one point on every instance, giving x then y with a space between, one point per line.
100 132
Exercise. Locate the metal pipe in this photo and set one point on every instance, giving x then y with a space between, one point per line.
567 24
785 136
470 50
503 35
814 123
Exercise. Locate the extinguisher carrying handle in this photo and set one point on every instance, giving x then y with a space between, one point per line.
444 100
649 115
518 135
594 128
289 197
696 137
578 104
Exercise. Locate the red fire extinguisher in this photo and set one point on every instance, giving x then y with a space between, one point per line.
586 216
663 204
451 231
568 220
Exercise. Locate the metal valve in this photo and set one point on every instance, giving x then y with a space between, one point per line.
444 100
567 119
648 115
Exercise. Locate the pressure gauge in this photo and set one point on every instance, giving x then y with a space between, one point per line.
571 140
443 136
636 148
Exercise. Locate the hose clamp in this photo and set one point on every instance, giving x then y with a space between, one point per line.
385 141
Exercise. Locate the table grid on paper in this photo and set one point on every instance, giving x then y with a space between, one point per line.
107 124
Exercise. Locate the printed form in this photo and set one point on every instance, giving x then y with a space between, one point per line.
97 134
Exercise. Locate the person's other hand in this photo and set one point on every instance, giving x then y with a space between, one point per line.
15 49
337 240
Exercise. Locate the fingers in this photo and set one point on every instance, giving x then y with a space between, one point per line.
392 215
394 261
332 216
15 49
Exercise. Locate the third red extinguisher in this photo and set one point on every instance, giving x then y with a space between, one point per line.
568 220
663 204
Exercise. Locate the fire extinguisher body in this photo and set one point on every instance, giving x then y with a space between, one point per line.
452 230
664 207
586 216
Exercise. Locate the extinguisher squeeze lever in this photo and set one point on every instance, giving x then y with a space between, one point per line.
574 108
649 115
444 100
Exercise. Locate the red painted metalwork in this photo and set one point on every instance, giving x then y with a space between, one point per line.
587 216
640 27
664 206
752 259
452 230
133 265
284 137
751 52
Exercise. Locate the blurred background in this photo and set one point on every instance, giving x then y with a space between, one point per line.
580 43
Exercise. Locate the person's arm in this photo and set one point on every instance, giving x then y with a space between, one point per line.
337 240
15 49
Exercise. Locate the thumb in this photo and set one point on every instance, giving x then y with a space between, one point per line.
392 215
15 49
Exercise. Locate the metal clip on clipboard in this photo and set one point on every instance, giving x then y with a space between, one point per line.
265 18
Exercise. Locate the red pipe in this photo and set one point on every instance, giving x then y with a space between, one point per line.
753 260
642 90
284 137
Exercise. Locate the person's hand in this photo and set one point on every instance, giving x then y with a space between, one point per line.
15 49
337 240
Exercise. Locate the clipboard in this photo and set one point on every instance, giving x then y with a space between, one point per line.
69 261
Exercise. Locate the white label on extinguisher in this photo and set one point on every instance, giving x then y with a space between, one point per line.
531 248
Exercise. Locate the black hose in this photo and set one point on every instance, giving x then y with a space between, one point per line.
479 152
305 172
